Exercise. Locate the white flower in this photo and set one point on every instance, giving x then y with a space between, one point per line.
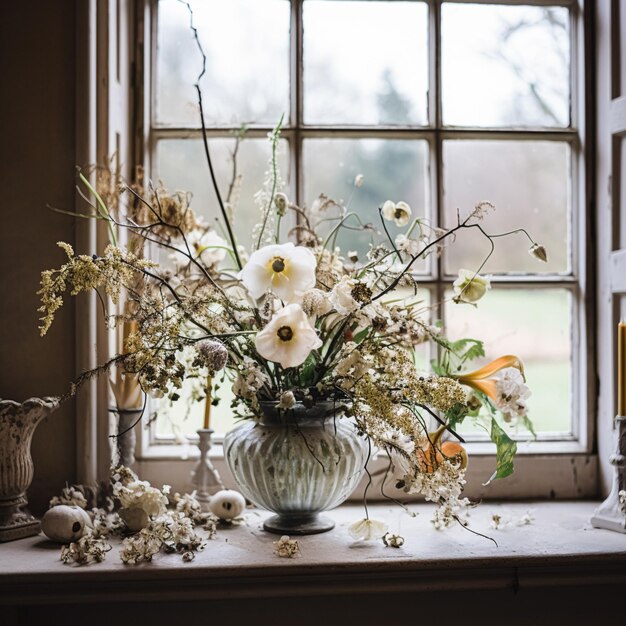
210 247
181 528
470 287
353 363
202 244
367 530
511 394
526 519
288 338
408 245
401 462
142 495
341 296
286 269
249 380
399 212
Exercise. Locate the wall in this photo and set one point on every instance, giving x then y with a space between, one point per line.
37 159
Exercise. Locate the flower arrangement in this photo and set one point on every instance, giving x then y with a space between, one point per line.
296 320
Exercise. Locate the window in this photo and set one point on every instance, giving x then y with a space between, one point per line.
442 104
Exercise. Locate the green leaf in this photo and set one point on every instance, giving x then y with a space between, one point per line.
438 369
505 451
102 208
456 414
307 373
468 349
361 335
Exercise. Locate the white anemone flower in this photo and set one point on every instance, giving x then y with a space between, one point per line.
288 338
367 530
470 287
286 269
201 244
399 212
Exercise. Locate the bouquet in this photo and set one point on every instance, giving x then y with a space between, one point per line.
297 320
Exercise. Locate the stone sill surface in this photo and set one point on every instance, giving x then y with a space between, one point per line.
560 548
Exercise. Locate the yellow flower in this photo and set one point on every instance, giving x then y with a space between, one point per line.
481 380
431 452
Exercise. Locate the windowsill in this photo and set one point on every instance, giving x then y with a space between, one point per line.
559 549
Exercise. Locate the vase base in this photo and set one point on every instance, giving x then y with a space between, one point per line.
301 525
22 525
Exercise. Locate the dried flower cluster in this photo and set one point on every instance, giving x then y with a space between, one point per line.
500 521
286 547
159 528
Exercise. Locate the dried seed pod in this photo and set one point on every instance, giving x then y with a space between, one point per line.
65 523
227 504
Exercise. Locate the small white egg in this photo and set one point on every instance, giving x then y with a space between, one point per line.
227 504
64 523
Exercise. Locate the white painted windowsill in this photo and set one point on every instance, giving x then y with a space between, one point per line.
560 548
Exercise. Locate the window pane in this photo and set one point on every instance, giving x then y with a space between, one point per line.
505 65
529 183
183 418
246 43
535 325
181 164
393 170
365 62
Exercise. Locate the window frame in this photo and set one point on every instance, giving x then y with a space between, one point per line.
561 456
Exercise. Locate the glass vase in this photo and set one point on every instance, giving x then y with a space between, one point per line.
297 463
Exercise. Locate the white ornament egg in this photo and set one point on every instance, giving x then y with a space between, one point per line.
227 504
65 523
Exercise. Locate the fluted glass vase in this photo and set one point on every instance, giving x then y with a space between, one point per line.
297 463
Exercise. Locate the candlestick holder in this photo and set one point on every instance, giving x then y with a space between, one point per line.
611 514
126 437
205 478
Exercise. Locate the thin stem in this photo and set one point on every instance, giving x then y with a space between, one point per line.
369 477
275 136
391 241
205 139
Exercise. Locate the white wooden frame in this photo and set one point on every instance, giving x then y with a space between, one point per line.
104 127
568 459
